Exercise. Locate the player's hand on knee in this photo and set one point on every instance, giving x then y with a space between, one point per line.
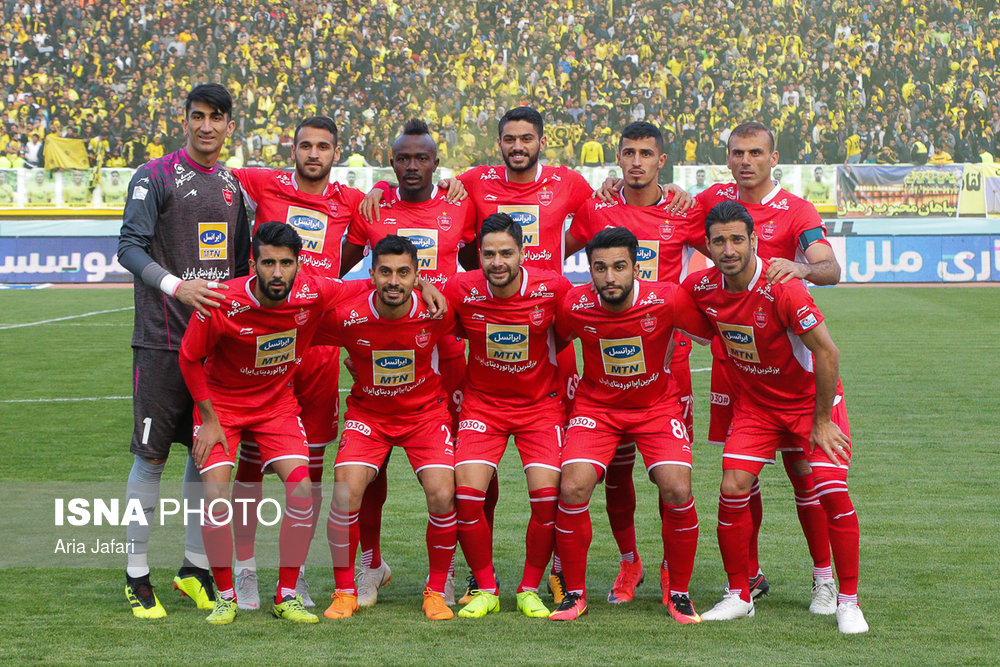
201 294
454 189
827 436
205 438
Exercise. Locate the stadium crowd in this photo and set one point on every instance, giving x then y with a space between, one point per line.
838 81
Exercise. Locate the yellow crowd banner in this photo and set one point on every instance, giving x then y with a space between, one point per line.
63 153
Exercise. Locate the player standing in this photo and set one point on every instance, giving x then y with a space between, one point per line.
396 400
787 367
320 211
507 312
626 330
184 228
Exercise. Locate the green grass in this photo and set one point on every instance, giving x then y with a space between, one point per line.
919 369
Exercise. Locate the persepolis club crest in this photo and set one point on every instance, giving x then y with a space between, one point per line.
648 323
535 316
666 231
422 339
228 196
767 230
444 222
760 318
302 317
545 197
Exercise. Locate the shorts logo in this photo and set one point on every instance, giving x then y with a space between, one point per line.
212 240
276 349
536 317
666 231
768 230
647 257
355 425
623 356
422 338
507 342
760 318
582 422
527 217
545 197
311 226
808 322
426 241
648 324
472 425
719 399
392 367
739 341
444 222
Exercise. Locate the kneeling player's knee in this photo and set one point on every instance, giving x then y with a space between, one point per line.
154 462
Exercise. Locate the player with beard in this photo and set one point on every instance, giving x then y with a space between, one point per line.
250 349
440 229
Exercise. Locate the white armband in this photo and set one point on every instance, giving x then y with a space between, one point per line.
169 284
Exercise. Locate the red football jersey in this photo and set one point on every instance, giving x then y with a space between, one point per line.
250 351
785 224
512 350
437 227
666 240
759 331
396 360
320 220
541 206
624 353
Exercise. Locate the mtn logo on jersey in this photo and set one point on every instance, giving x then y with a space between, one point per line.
527 217
739 342
276 349
647 257
426 241
393 367
623 356
212 240
311 226
507 342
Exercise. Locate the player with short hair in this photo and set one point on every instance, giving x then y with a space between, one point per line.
418 210
321 212
396 400
184 229
666 242
787 367
507 312
626 330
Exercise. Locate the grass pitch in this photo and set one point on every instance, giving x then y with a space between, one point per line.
920 374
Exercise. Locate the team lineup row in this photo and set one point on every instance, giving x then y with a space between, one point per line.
174 254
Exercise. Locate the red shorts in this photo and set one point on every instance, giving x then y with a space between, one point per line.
483 431
659 433
368 438
757 434
277 438
722 400
317 389
569 379
680 370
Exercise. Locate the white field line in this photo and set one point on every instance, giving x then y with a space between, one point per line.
63 319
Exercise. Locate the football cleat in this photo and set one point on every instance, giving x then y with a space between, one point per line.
529 604
665 585
557 587
824 597
482 603
142 599
247 593
434 607
850 620
343 606
630 575
291 608
223 613
197 584
730 608
302 590
449 589
571 608
471 586
759 586
369 580
682 610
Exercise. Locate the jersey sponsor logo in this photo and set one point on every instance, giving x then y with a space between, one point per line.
472 425
236 309
605 204
541 292
760 318
648 324
739 342
527 217
212 240
393 367
354 318
711 312
388 221
311 226
276 349
283 177
245 331
666 231
808 322
183 178
623 356
729 192
190 193
650 299
719 399
705 284
647 257
306 293
479 316
589 329
489 175
491 198
545 196
765 291
139 192
582 422
355 425
426 241
583 303
536 317
781 205
768 230
444 222
507 342
474 296
422 338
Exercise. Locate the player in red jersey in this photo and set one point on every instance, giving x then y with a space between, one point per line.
396 400
793 239
786 365
666 242
249 349
320 211
439 228
507 312
626 331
